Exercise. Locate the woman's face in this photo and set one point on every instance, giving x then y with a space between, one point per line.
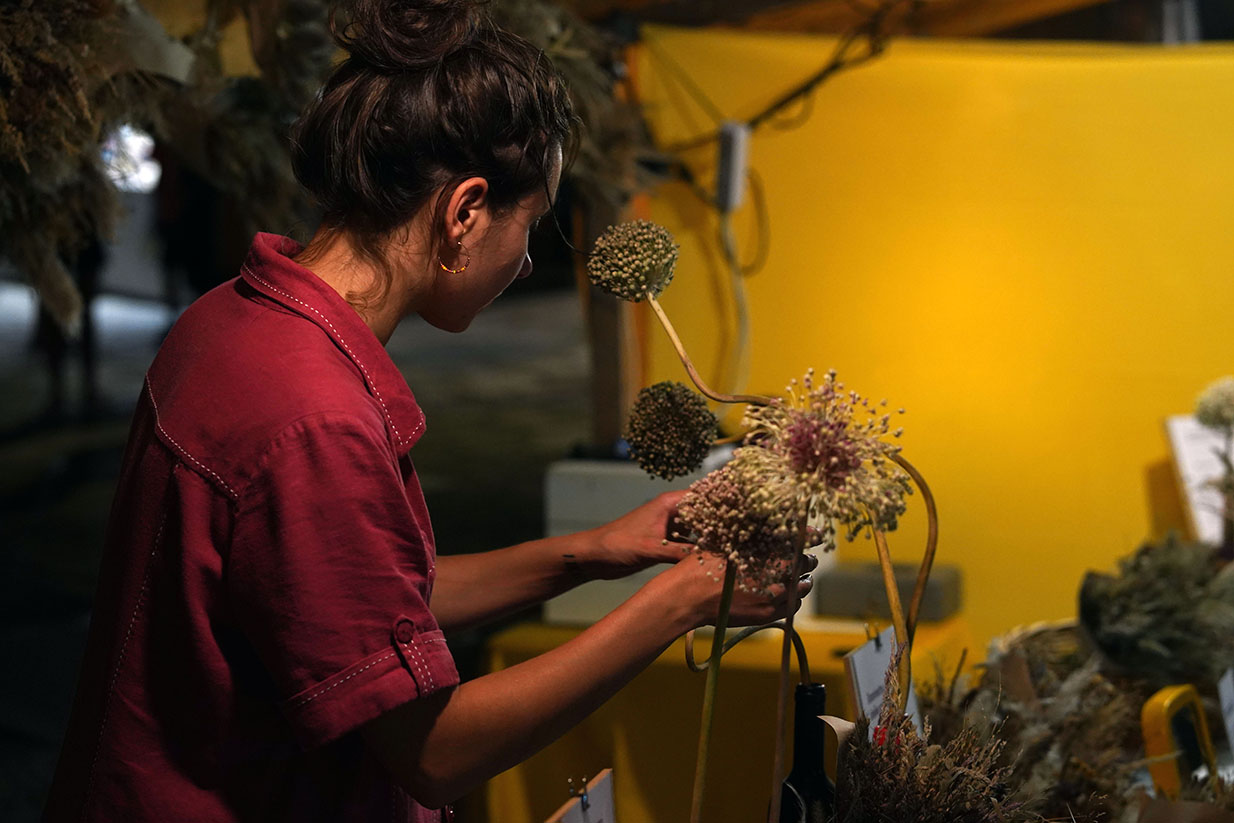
495 252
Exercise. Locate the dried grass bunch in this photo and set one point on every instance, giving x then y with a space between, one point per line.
896 774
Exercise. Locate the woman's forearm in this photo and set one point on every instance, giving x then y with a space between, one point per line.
444 746
472 589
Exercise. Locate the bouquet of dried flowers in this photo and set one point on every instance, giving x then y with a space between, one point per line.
820 453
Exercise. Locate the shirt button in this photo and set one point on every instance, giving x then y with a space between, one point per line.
404 631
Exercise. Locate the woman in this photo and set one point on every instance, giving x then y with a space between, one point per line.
267 641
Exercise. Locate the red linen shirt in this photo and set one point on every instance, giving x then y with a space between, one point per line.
267 572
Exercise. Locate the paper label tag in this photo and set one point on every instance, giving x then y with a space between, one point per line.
867 671
1196 448
1225 688
596 806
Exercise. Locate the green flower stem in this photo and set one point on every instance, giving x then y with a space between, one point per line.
897 618
777 764
709 692
927 560
695 377
803 660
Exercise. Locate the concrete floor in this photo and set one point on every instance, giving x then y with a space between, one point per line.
502 400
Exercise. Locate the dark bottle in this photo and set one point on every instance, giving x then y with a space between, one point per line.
807 794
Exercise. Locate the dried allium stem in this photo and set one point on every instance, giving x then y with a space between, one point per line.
754 399
897 618
927 560
777 766
709 692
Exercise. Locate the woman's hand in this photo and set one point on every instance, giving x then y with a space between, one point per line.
633 542
695 587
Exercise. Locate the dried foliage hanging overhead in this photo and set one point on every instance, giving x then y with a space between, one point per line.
63 82
607 167
72 70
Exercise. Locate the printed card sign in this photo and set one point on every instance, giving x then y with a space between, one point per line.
867 671
1225 687
1196 448
595 805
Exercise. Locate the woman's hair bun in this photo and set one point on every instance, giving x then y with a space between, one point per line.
401 35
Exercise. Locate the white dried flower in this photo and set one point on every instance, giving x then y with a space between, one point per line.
1215 405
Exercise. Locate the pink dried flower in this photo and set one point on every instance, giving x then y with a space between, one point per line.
722 515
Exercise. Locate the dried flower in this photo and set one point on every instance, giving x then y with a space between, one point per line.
807 456
670 430
897 774
1167 616
723 514
840 465
634 259
1215 405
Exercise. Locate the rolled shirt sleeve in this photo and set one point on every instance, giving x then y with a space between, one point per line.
330 574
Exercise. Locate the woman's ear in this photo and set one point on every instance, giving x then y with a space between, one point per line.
467 209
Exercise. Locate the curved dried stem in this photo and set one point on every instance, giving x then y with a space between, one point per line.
897 617
803 661
695 377
777 766
927 560
709 692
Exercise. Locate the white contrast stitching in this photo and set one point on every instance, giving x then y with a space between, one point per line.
115 673
428 673
432 684
181 449
421 677
347 348
304 700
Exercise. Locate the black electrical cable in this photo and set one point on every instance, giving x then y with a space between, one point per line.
869 31
758 195
687 82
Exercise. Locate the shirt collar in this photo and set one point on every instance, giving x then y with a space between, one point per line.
270 270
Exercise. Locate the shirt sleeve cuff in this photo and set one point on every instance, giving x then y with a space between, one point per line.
415 665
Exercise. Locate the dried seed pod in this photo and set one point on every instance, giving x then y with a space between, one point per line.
631 260
1215 405
670 430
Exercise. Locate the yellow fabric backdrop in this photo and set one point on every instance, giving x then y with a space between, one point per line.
1029 246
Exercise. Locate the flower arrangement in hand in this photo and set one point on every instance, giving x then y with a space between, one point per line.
820 454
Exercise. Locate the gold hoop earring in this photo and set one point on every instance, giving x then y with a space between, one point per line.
461 268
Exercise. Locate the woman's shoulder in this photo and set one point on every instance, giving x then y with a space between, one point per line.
234 375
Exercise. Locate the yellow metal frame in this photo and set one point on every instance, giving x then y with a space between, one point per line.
1157 718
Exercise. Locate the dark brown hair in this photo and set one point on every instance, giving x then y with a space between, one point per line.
432 92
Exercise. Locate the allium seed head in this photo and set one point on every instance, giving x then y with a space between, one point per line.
725 514
818 453
1215 405
830 441
670 430
634 258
